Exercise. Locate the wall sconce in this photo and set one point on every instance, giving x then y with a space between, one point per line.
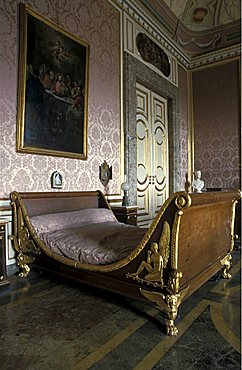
105 173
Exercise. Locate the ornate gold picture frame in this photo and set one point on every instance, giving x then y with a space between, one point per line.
52 89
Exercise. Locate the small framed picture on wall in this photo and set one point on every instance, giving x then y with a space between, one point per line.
56 180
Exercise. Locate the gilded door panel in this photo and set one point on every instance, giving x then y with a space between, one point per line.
152 154
160 151
143 153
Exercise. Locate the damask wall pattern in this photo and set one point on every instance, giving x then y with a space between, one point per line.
217 125
184 128
98 23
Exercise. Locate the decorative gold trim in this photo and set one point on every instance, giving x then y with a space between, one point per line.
182 201
164 243
168 303
226 262
173 300
23 261
157 259
22 240
174 240
232 225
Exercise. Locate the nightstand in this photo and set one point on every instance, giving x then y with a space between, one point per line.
4 283
126 214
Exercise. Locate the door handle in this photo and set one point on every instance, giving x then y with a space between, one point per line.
152 179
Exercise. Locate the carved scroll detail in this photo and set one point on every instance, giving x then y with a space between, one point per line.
157 259
173 300
226 262
232 225
22 241
23 261
182 202
169 303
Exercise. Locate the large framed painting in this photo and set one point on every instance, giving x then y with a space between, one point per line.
52 89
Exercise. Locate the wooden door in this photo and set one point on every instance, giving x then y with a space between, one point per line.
159 162
152 153
143 132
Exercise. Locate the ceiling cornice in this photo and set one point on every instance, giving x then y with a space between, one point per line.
154 29
162 32
216 56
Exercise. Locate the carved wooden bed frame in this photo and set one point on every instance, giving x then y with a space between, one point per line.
189 241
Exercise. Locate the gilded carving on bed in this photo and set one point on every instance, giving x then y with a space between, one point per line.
77 235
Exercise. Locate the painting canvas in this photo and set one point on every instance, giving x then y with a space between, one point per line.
53 89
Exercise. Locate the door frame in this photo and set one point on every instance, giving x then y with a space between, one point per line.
135 71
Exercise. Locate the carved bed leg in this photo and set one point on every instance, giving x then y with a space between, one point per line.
171 314
226 262
173 301
22 239
174 298
170 301
23 261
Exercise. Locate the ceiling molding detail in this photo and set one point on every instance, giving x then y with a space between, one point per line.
216 56
177 44
147 23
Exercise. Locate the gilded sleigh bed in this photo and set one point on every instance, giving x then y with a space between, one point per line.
189 241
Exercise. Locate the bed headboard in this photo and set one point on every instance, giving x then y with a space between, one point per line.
53 202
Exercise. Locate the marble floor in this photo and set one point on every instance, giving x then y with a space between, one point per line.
47 324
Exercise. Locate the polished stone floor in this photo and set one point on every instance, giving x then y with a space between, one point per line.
47 324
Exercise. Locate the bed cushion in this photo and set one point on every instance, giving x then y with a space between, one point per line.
57 221
95 244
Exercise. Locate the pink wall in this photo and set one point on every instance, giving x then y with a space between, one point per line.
217 124
183 122
98 23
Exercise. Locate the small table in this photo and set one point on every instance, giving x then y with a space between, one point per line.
126 214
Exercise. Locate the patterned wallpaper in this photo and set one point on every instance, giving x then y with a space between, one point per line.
217 125
98 23
184 129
